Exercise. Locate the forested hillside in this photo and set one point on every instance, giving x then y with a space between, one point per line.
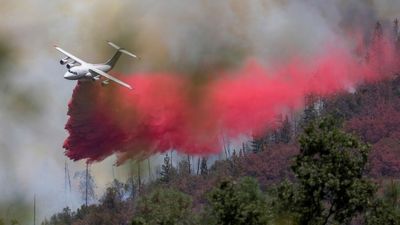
254 180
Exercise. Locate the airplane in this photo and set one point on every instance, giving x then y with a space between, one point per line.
81 70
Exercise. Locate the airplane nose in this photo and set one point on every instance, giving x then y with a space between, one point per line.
69 76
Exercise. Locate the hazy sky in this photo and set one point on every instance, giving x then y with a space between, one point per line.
168 35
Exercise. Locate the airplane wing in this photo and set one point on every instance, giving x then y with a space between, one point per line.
108 76
76 59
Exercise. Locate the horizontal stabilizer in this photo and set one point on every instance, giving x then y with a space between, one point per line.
122 50
113 45
128 53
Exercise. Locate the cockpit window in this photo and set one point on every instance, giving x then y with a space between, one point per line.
76 73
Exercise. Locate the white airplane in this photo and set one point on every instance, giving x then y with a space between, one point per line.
81 70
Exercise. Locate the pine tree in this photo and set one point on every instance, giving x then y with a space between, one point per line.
183 167
378 33
167 170
203 167
257 144
395 29
286 131
396 35
310 112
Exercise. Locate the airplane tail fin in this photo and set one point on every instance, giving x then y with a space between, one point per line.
116 56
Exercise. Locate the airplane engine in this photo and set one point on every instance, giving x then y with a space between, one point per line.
63 61
70 65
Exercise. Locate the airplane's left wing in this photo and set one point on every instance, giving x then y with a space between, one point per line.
92 69
76 59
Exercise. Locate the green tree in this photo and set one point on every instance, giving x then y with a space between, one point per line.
285 133
113 199
258 144
238 203
382 213
392 194
331 188
166 207
203 166
387 209
167 170
183 168
63 218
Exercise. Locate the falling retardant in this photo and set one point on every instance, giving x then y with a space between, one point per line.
171 111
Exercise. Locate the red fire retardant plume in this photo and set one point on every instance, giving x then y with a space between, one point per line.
167 111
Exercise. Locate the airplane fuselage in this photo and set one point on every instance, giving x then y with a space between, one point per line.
82 72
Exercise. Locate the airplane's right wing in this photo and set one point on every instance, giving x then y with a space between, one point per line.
108 76
76 59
